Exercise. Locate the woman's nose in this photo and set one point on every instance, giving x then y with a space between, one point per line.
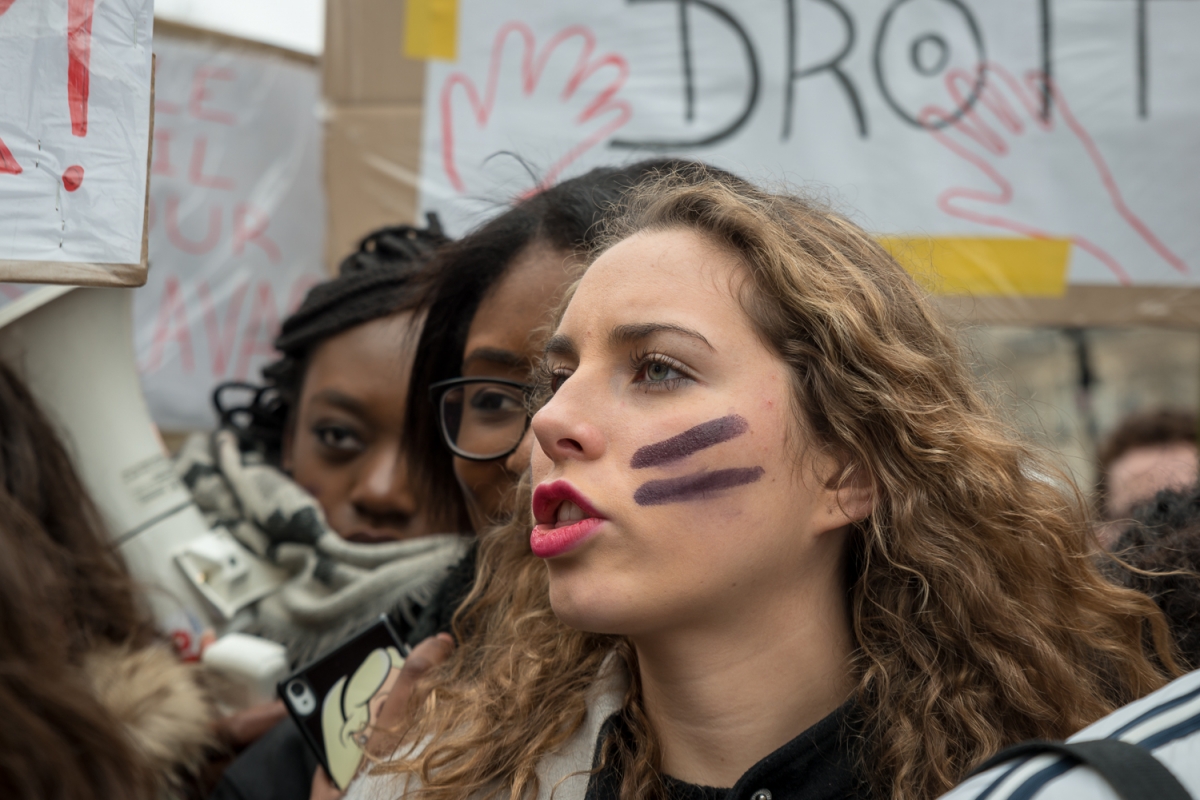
383 485
566 427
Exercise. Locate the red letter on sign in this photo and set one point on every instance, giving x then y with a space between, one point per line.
245 232
196 168
220 337
162 152
200 93
259 336
8 164
172 324
182 242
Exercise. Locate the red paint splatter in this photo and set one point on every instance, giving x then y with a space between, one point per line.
73 178
8 164
79 57
79 76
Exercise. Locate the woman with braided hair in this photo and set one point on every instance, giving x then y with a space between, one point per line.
310 469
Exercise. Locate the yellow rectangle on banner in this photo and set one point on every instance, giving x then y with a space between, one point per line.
1009 267
431 29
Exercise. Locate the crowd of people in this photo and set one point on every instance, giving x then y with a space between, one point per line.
679 488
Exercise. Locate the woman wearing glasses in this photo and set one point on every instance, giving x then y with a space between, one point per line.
493 298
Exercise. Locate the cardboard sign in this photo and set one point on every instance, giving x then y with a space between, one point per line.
237 217
75 89
1014 149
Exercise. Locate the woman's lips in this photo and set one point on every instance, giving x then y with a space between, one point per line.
547 541
552 538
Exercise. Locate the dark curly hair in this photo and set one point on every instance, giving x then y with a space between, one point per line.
1163 543
382 277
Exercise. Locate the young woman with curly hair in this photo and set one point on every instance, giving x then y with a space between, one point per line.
781 545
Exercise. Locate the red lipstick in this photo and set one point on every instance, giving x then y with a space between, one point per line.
552 538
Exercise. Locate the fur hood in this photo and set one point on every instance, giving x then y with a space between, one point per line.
159 701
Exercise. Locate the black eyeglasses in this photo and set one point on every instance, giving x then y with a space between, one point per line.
481 419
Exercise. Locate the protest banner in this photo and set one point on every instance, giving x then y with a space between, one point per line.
75 93
236 216
1027 159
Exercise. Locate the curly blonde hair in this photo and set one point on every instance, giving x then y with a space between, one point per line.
978 614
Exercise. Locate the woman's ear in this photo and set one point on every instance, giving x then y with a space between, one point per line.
851 493
856 493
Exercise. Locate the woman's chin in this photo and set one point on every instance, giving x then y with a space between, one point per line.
590 612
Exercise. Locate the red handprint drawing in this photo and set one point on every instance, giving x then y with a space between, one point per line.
8 164
595 116
1015 116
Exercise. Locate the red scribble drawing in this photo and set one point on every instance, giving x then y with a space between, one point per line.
597 121
1015 111
79 76
8 164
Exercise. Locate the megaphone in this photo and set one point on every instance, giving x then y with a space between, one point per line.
73 347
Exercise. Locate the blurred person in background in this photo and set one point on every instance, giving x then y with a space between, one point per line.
1146 453
95 705
1157 554
311 471
1163 545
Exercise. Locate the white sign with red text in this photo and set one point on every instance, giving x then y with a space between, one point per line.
75 79
1067 120
237 220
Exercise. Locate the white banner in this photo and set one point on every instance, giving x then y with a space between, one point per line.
237 220
74 129
979 124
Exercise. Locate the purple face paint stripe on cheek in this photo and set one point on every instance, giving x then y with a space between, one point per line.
694 487
693 440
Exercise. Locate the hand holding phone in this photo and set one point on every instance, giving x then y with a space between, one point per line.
338 700
393 717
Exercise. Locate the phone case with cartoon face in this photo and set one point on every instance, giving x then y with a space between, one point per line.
337 698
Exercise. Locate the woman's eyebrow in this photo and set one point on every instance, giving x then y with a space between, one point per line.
495 355
332 397
561 345
624 334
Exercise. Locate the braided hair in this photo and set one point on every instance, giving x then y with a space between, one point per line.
381 278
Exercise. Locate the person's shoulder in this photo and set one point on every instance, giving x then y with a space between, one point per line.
1167 723
372 784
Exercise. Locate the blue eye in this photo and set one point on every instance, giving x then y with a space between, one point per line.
656 372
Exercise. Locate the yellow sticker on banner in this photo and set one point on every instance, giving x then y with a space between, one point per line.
1008 267
431 29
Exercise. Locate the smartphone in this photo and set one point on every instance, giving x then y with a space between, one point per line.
337 699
